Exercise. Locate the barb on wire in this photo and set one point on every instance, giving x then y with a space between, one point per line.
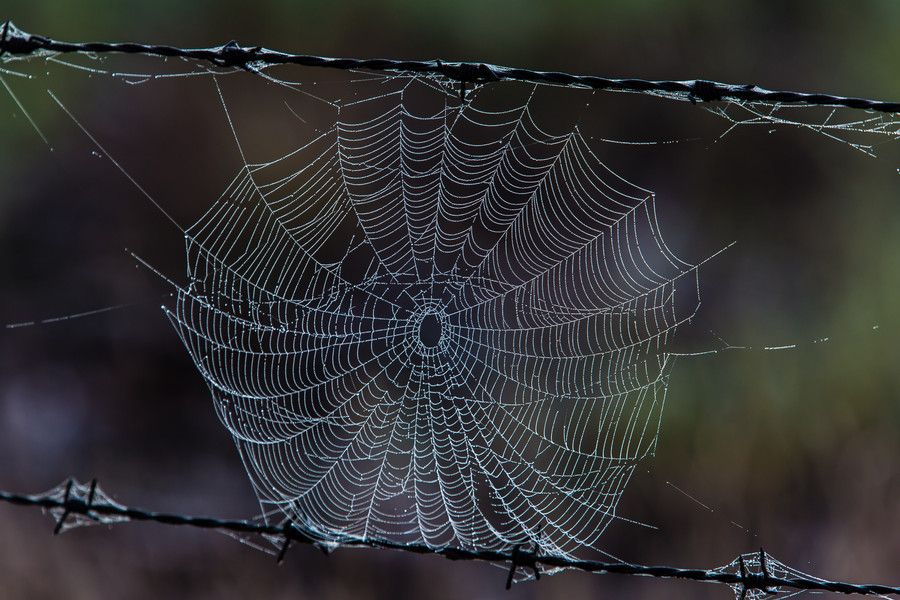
97 507
15 41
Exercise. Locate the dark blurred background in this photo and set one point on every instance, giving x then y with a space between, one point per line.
794 450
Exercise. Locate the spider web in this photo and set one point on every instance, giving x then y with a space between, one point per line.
436 322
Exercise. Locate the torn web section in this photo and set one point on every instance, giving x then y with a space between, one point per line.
858 128
863 131
86 494
761 564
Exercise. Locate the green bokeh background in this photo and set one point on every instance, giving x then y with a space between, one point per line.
798 447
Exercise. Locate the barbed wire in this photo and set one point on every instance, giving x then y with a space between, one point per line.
15 41
743 580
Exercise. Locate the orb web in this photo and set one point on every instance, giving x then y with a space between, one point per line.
436 322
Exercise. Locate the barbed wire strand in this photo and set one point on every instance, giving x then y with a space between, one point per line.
519 558
15 41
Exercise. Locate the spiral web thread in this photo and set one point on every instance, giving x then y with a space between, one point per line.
436 323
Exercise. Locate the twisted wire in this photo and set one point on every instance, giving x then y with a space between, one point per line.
15 41
518 558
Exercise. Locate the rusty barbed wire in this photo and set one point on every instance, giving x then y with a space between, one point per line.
519 558
15 41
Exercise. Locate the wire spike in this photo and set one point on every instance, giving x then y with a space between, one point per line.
67 508
286 531
743 567
90 498
514 564
765 572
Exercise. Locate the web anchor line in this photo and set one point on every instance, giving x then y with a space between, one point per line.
15 41
96 510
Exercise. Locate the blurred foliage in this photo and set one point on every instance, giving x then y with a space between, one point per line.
800 447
